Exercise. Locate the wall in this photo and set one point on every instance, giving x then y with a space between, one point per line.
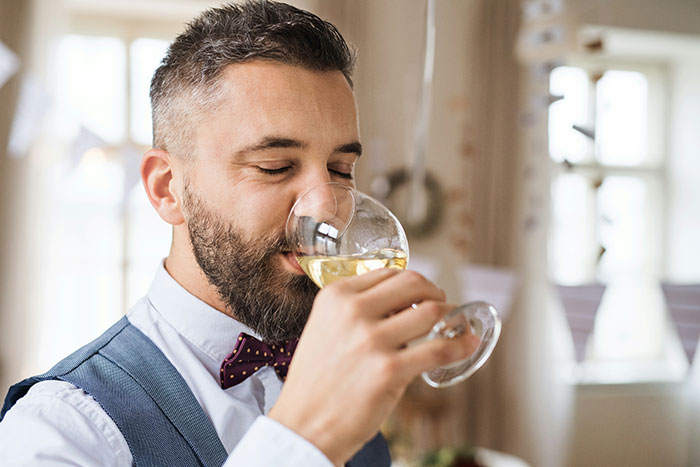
637 424
15 282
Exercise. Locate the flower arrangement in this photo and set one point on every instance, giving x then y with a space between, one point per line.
451 457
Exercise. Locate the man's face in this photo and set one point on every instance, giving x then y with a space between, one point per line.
280 131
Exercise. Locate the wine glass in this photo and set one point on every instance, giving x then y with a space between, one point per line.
336 231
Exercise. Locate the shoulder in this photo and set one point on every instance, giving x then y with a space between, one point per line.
55 418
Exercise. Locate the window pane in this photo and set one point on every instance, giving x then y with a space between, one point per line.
81 256
630 226
631 321
564 141
572 242
146 55
621 120
91 81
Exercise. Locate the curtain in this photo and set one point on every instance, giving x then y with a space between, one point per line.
521 402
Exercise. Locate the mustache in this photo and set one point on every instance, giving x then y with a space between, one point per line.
279 244
273 245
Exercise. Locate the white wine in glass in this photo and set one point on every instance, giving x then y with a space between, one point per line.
336 232
324 270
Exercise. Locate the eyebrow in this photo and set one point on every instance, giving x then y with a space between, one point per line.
275 142
350 148
271 142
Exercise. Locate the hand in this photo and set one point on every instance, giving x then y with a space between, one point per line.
353 361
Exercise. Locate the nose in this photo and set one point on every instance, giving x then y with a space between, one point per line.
318 196
321 216
321 203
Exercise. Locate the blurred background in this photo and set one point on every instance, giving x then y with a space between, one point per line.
562 156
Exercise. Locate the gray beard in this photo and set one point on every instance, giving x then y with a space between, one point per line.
256 292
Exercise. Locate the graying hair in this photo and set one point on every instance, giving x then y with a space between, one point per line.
186 85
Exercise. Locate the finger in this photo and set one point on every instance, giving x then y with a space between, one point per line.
412 323
364 281
399 292
435 353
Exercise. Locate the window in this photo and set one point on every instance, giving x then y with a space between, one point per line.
609 196
101 239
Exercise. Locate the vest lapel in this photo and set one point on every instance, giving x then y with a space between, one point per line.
373 454
136 355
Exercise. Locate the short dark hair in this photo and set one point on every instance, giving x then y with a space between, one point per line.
186 82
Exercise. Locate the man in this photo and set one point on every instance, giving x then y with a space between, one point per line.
252 106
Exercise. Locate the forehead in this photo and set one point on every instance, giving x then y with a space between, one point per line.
268 96
262 98
270 79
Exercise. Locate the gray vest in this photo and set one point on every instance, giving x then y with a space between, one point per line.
151 404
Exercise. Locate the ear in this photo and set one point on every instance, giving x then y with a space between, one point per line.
158 180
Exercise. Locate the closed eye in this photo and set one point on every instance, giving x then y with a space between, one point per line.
341 174
281 170
274 171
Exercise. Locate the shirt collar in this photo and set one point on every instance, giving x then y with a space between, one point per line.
205 327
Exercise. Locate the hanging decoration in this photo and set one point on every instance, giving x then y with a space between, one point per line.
33 103
683 303
581 304
413 194
9 63
492 284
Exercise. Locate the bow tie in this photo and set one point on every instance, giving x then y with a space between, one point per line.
251 354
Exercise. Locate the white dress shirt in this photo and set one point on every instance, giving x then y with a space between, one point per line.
59 424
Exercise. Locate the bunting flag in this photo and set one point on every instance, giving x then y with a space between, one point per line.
84 140
33 103
493 285
581 304
683 303
9 63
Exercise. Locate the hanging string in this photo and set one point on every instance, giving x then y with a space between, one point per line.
417 196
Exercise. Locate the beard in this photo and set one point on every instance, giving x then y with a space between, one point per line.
254 288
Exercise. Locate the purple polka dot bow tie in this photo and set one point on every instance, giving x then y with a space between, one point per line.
250 354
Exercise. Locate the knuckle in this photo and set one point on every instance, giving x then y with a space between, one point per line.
357 307
367 336
383 380
453 350
331 292
446 354
389 367
334 288
413 277
469 345
433 310
459 348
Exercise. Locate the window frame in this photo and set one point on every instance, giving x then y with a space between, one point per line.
670 365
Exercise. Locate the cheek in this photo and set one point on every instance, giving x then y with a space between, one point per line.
263 214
